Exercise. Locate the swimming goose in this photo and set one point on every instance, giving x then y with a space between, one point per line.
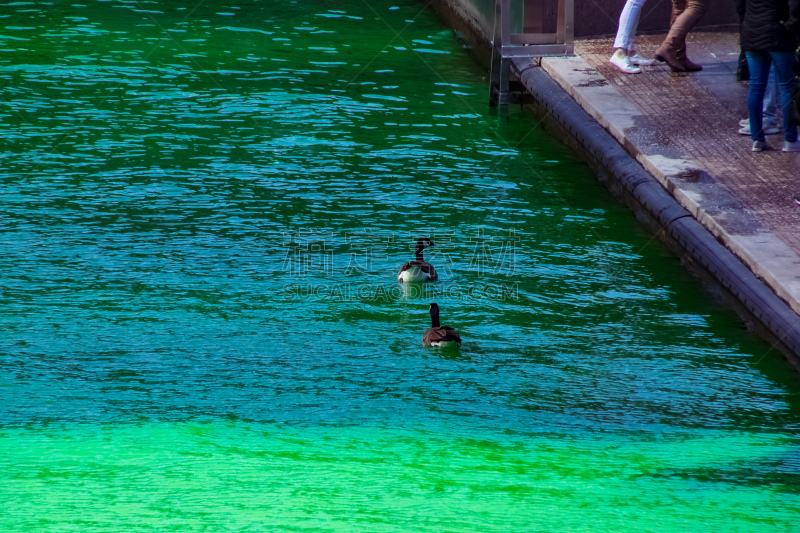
437 335
418 270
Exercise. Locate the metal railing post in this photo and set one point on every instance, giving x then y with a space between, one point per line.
507 45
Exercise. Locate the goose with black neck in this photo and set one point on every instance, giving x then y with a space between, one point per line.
418 270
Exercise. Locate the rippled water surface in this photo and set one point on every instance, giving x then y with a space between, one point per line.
203 210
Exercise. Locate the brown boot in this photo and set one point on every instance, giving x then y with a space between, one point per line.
690 65
685 14
668 55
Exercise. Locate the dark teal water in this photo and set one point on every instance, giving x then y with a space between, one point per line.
203 210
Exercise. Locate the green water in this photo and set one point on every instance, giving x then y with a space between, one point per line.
203 210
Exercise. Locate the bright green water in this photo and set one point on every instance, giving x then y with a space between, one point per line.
203 207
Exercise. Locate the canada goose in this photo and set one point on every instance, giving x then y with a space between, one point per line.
437 335
418 270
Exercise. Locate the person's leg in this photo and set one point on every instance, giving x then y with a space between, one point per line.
769 115
637 14
678 7
784 62
626 33
628 21
771 98
758 63
636 58
664 52
691 66
673 49
695 9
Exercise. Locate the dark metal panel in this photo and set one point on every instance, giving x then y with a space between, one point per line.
600 17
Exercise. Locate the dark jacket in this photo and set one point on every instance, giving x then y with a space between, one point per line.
769 25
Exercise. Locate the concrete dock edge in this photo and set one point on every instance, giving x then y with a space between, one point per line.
663 215
733 283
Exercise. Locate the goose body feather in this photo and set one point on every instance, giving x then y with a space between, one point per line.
442 336
417 271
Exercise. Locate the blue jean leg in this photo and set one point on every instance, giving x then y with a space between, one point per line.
758 63
784 70
772 97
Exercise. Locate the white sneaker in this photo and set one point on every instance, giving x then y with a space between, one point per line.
624 64
637 59
759 146
791 146
744 122
768 130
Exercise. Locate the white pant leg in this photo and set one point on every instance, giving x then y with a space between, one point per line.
628 21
